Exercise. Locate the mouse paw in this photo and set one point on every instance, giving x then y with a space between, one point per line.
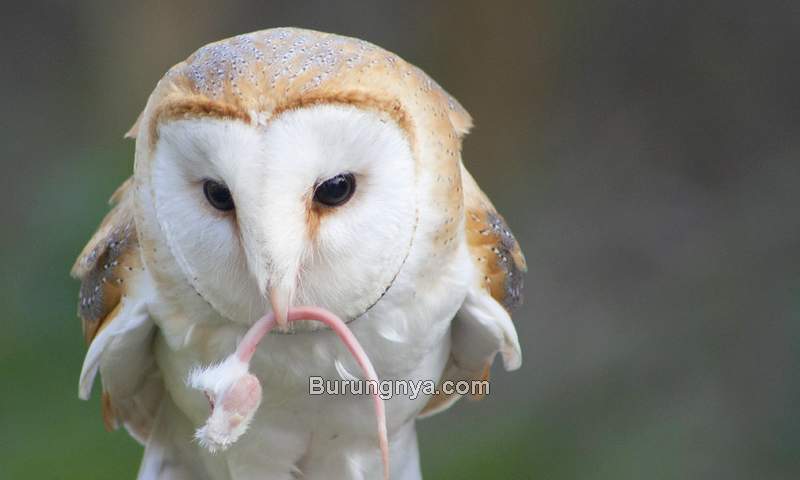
234 395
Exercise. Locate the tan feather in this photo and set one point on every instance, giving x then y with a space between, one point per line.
105 264
109 414
134 130
494 249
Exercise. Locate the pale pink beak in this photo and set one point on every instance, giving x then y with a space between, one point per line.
279 300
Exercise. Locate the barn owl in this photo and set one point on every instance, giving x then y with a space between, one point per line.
279 169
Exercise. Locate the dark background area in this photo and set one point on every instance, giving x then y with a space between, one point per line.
644 152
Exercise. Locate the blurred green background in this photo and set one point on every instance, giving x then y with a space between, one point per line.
644 152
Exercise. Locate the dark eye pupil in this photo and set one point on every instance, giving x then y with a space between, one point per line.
218 195
336 191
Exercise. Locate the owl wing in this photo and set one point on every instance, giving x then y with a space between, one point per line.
114 293
483 327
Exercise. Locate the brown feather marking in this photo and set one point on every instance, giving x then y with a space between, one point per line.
483 378
103 287
493 247
314 214
134 130
122 212
199 106
109 413
440 399
196 106
387 106
106 263
121 192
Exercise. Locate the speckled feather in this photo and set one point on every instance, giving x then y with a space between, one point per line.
105 264
493 247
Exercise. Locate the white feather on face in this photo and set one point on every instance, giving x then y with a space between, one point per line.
342 258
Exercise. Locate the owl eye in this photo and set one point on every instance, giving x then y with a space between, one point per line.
218 195
335 191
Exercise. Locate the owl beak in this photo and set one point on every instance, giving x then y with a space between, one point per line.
279 300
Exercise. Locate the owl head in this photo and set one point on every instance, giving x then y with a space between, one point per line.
290 167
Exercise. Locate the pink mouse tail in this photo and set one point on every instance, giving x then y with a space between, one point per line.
253 337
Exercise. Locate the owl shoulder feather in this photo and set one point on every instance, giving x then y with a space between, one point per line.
114 293
495 252
106 262
482 328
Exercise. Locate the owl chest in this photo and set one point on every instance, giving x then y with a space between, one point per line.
295 414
